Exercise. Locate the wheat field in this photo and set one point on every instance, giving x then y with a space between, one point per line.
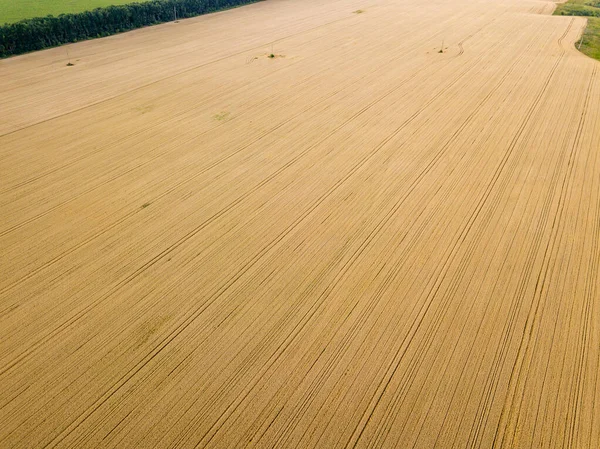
386 235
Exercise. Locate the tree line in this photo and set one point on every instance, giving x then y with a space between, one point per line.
44 32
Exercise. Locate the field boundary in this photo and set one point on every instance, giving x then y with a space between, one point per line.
39 33
589 42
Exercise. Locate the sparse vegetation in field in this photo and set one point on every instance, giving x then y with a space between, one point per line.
148 328
221 116
144 109
359 11
589 44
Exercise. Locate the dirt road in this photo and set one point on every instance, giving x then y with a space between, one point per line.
359 242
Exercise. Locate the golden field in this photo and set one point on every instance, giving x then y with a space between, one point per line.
361 242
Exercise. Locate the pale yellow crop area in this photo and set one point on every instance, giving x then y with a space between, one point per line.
361 242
